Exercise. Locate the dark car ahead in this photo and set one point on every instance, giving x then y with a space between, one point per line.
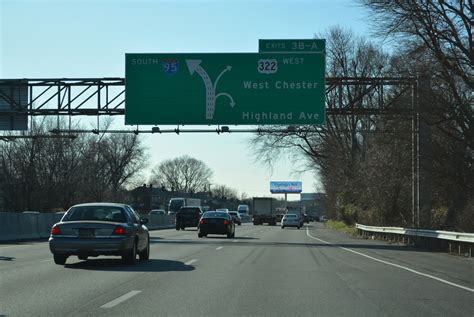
216 222
95 229
235 217
188 217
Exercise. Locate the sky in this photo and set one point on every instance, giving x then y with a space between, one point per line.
89 38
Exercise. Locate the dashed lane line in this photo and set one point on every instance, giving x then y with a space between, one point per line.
191 262
120 299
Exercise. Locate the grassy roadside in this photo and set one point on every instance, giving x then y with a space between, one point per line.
341 226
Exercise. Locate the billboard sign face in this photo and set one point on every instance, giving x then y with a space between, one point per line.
225 88
285 187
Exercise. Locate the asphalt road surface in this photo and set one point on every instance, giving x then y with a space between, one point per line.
263 271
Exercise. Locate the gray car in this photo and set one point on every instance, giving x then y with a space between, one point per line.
95 229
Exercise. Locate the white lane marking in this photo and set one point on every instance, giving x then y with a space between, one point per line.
190 262
120 299
395 265
49 260
218 248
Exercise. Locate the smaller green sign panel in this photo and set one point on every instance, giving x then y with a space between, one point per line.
225 88
292 46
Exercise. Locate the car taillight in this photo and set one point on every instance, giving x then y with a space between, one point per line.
119 231
201 222
226 222
55 230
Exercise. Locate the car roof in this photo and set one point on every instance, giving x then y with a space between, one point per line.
105 204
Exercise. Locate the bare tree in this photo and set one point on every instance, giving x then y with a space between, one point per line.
44 174
336 150
223 191
440 31
183 173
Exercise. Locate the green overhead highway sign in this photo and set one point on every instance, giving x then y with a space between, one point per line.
292 46
227 88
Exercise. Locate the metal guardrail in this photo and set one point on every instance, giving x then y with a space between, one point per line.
437 234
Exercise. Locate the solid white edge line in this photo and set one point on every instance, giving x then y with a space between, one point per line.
49 260
218 248
395 265
190 262
120 299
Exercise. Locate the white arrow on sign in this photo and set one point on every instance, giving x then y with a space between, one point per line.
194 65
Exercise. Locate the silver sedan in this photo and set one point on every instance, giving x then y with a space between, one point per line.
290 220
95 229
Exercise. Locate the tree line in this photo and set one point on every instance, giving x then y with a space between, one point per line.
48 174
365 161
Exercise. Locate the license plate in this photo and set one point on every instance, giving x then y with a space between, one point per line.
86 233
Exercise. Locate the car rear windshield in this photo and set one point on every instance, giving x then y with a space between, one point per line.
211 214
189 210
98 213
291 216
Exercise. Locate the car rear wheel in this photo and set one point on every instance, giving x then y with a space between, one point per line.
145 254
60 259
131 256
177 228
283 227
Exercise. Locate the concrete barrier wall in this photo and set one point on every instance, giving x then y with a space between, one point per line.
9 229
31 225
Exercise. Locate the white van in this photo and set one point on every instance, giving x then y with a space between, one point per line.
243 209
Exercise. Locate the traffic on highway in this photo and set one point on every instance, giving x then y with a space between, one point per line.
236 158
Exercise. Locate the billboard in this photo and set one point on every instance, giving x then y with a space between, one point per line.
285 187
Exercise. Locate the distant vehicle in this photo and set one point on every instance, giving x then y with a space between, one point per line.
176 203
263 211
216 222
323 219
222 209
95 229
243 209
235 217
157 212
290 220
188 217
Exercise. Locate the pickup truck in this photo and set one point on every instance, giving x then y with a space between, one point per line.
188 217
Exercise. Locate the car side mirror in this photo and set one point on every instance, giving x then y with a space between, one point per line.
144 221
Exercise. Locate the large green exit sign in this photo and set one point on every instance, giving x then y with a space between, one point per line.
226 88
